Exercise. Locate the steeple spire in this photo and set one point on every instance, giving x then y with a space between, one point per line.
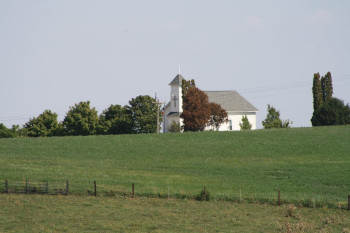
179 70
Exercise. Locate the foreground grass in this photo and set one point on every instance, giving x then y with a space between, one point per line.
308 165
41 213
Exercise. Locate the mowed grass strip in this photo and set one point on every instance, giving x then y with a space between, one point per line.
42 213
310 165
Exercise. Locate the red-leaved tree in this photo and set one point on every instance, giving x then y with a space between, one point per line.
218 116
196 110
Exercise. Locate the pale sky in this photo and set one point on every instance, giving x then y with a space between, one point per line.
54 54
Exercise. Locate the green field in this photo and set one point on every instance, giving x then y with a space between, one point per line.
310 166
42 213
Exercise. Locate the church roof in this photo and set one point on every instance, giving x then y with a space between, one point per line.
176 81
231 101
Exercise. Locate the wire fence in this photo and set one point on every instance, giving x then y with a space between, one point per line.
275 197
33 187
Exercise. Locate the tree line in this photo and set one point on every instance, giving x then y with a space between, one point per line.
140 116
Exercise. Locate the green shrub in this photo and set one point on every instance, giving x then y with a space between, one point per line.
175 127
204 195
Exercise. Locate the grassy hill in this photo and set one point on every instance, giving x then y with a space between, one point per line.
308 165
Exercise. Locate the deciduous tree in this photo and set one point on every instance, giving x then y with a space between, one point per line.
143 110
81 119
115 120
332 112
218 116
43 125
196 110
6 132
18 131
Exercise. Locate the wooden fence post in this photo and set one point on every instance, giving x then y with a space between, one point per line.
168 191
6 186
279 197
47 186
95 188
240 195
67 187
132 190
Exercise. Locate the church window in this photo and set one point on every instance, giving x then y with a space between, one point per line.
230 124
174 98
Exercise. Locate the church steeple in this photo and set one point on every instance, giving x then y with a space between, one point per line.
173 108
177 80
175 93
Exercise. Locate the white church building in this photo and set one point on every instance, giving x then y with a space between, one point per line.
235 105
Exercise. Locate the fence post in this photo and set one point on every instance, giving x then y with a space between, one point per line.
132 190
6 186
240 195
47 187
349 202
67 187
95 188
279 197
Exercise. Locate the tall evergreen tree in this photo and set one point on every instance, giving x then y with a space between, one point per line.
245 124
317 92
327 87
322 91
273 119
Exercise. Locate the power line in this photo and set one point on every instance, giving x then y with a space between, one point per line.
270 88
291 85
277 94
